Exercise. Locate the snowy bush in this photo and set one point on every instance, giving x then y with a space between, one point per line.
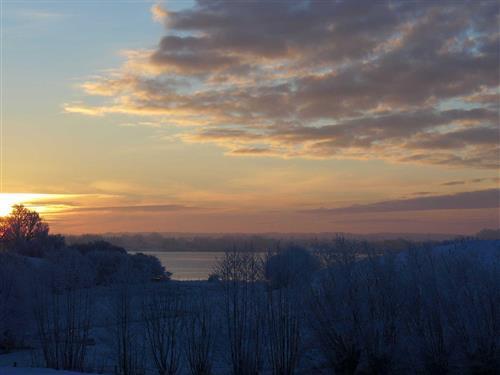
290 266
434 310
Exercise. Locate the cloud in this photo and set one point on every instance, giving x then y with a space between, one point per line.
39 15
472 181
453 183
397 81
149 208
159 13
489 179
252 151
466 200
417 193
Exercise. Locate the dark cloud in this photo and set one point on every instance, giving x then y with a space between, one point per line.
453 183
472 181
466 200
368 130
490 179
252 151
397 80
486 136
422 193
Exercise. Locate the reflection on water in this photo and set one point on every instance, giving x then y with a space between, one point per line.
188 265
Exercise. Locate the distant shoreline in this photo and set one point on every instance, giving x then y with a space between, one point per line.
187 251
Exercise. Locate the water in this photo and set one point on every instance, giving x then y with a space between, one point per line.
188 265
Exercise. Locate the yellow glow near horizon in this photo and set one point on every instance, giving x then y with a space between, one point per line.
31 200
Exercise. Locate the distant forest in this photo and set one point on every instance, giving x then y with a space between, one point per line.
262 242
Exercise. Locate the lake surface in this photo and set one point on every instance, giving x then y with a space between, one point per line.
188 265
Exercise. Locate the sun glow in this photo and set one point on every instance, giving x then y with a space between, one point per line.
38 202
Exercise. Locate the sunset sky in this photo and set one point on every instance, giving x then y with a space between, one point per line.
252 116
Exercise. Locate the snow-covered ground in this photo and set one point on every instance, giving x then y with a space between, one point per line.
452 281
34 371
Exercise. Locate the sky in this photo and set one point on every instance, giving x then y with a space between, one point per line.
252 116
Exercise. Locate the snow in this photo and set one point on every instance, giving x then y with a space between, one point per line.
34 371
460 275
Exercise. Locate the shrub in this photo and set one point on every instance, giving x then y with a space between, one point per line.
290 267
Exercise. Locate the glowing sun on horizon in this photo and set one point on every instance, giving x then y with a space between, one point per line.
8 200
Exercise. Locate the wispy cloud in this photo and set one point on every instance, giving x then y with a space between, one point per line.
145 208
472 181
38 15
466 200
453 183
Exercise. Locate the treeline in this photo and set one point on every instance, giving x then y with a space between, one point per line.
250 243
266 242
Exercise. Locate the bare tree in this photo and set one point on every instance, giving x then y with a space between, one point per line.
425 313
282 320
63 320
13 272
434 345
200 339
22 227
127 342
335 318
162 313
473 310
381 315
240 274
7 290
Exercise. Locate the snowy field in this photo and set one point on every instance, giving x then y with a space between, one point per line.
33 371
425 310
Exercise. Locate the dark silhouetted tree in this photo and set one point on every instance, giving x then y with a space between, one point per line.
23 231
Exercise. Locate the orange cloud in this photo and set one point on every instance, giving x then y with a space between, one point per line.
159 13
